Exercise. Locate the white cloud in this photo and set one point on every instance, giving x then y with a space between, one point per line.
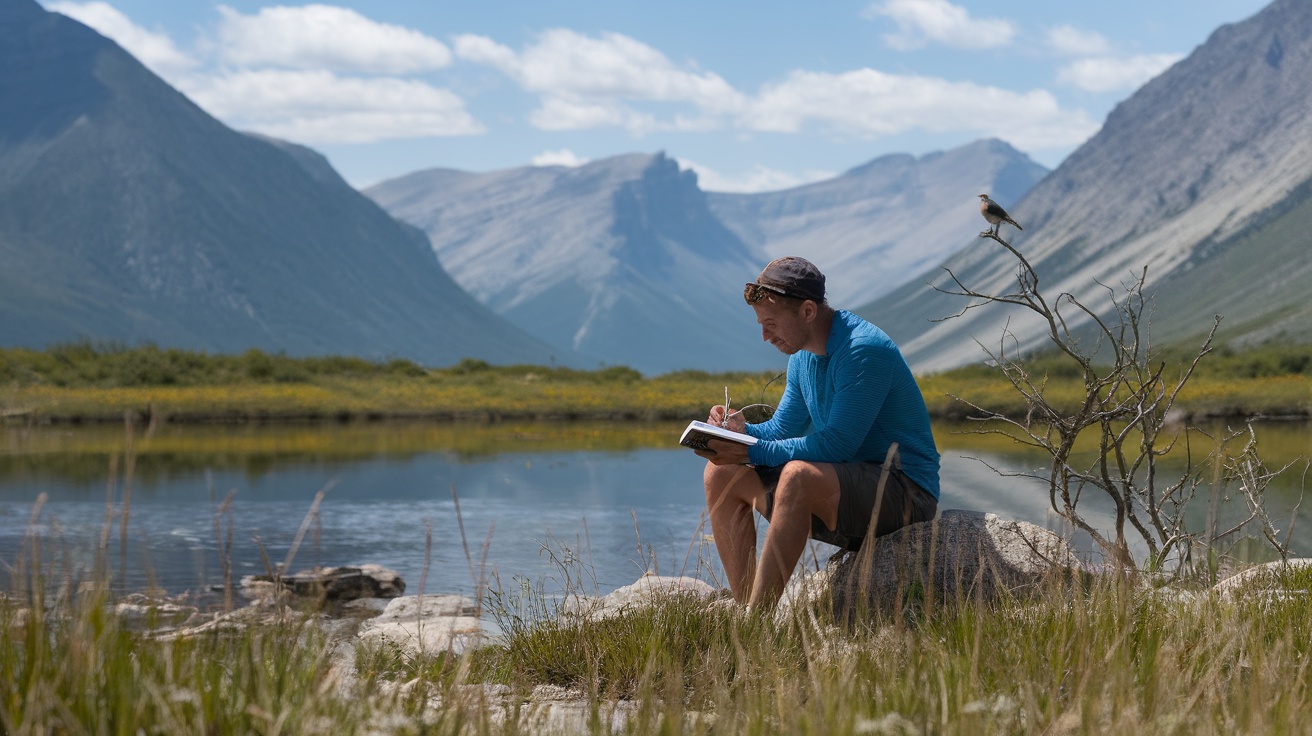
563 157
307 103
1107 74
587 82
325 37
614 82
569 64
757 179
358 89
321 107
922 21
483 50
1072 41
154 49
557 113
870 103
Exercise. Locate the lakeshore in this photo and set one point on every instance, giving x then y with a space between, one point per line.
531 393
1113 654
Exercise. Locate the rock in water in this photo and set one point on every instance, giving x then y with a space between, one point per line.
335 583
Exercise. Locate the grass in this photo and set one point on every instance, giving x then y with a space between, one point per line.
87 383
1098 657
69 664
1095 658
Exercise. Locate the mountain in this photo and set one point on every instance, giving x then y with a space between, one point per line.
627 260
620 259
129 214
884 222
1204 176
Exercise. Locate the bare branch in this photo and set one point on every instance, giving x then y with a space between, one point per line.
1128 403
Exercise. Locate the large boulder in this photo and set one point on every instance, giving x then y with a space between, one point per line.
961 555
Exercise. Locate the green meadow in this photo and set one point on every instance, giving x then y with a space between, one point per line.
86 383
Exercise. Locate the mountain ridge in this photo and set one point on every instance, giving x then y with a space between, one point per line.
626 259
602 257
129 214
1181 171
883 221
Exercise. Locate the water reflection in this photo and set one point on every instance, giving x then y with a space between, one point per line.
622 498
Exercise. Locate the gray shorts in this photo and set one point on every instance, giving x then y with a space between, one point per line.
904 502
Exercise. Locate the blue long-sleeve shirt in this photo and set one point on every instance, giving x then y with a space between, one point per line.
849 405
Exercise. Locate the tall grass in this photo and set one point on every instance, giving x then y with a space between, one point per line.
1080 656
1103 657
71 666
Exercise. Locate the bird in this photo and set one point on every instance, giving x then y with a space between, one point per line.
994 213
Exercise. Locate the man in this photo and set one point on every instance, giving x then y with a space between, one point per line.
815 470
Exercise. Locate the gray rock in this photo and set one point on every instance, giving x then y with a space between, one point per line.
962 555
646 590
426 624
332 583
141 612
1266 578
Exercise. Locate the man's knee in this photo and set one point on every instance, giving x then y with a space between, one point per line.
805 487
794 477
799 474
718 476
727 480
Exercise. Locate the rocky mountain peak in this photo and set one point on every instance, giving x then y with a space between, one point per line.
1206 153
882 223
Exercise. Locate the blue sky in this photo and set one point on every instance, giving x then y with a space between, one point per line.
752 95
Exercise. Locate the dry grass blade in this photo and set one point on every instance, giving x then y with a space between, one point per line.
305 526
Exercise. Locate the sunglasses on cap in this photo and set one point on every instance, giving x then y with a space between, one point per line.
754 292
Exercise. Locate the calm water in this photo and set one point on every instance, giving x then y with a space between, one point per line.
617 499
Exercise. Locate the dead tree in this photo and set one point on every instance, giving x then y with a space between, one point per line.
1127 406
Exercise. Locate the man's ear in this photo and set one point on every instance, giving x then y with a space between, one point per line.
809 310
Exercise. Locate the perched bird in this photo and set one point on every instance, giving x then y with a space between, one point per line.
994 213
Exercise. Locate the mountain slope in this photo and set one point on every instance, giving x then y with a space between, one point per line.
129 214
620 259
881 223
1197 176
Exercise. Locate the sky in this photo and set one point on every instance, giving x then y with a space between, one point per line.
753 96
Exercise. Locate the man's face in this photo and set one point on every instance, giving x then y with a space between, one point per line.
782 324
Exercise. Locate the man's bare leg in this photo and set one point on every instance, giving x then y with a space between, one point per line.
732 491
804 489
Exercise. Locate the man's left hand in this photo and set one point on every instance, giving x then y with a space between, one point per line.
724 452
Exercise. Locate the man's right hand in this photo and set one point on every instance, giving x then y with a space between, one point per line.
736 421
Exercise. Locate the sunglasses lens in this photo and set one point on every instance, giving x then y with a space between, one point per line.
753 293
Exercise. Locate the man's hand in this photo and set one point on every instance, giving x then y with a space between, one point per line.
736 421
724 452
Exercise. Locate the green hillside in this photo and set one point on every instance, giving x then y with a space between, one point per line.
1258 282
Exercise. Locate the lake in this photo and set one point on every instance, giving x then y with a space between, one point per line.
599 503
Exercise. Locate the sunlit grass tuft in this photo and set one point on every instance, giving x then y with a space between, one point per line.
74 667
